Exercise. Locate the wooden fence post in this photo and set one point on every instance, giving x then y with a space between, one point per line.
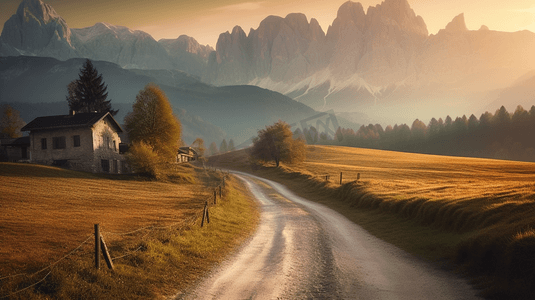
220 193
215 197
358 176
207 213
106 253
204 213
97 246
340 178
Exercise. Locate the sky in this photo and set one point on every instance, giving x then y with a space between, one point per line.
206 19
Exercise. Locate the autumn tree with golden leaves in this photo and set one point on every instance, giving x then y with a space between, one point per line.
153 130
10 123
276 143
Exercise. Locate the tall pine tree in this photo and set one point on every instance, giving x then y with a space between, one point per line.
88 92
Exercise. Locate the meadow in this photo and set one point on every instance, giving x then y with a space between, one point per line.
477 213
151 227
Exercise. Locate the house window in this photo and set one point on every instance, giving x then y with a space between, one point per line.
114 146
115 167
76 140
43 143
106 142
105 164
58 142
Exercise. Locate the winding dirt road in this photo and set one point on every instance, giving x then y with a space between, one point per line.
304 250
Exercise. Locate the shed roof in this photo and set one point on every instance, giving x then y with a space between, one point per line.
69 121
17 142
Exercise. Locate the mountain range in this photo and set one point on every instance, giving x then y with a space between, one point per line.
37 30
381 65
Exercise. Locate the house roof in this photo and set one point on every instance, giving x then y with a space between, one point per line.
69 121
21 142
186 150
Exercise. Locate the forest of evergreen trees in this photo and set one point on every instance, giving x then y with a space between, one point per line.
501 135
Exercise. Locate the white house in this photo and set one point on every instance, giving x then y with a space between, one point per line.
186 154
79 141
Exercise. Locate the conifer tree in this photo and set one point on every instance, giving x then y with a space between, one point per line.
231 146
223 147
88 93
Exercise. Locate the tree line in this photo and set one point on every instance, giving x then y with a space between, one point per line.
502 135
223 147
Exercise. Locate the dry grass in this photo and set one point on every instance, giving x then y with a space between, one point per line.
479 212
45 212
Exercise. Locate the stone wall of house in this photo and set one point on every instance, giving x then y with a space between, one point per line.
93 149
106 155
69 147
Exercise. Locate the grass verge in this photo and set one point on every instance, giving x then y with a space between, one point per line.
478 213
46 212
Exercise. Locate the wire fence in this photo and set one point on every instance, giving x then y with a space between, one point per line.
184 223
337 178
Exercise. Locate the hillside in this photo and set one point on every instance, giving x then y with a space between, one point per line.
151 228
477 213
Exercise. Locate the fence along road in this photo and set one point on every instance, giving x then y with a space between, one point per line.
305 250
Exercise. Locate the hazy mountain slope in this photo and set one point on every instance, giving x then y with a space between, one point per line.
522 92
187 54
238 111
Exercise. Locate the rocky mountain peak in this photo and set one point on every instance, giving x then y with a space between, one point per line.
37 9
37 26
399 12
351 12
457 24
237 31
187 44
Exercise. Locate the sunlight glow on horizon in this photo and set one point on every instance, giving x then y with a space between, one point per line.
206 20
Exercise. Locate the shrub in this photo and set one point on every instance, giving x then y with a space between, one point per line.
144 160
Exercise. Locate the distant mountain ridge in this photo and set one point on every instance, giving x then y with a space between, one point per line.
381 62
37 30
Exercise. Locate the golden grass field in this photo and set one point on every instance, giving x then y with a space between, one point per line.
45 212
477 212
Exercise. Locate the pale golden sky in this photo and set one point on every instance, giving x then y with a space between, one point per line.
206 19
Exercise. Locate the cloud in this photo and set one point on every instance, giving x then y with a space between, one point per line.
246 6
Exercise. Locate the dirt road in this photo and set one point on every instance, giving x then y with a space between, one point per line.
304 250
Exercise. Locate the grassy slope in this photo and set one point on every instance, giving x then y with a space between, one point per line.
479 212
46 212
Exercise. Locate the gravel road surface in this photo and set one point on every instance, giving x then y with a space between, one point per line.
304 250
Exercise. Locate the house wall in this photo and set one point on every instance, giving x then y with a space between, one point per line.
79 158
106 144
96 145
